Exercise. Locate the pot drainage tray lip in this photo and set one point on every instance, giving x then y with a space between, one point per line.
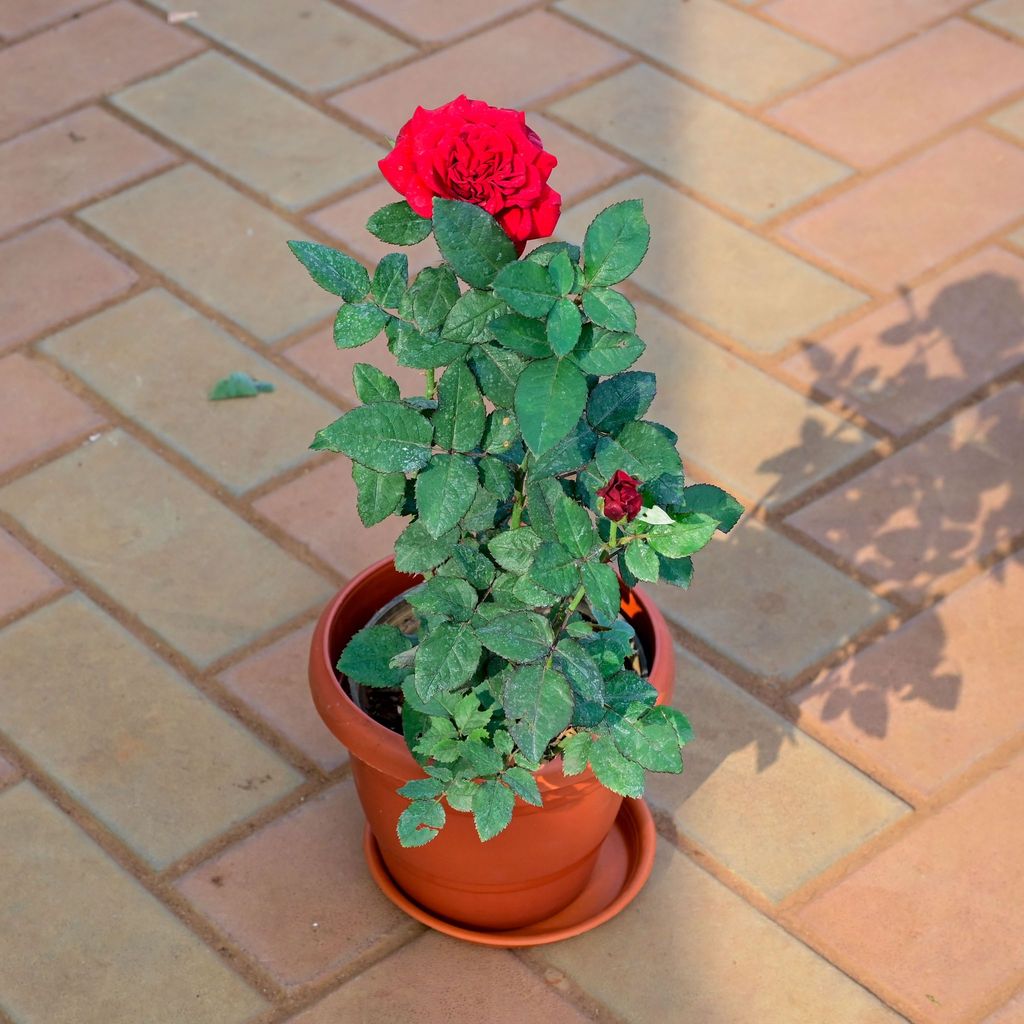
623 866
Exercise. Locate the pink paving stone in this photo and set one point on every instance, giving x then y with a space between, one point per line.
95 54
436 20
923 705
917 355
860 28
23 578
894 101
68 162
18 16
491 64
934 921
274 684
1011 1013
582 167
454 983
319 509
36 413
918 521
332 367
297 895
49 275
912 216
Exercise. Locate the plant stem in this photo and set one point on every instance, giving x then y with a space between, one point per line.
431 382
517 506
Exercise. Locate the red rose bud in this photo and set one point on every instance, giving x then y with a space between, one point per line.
479 154
621 497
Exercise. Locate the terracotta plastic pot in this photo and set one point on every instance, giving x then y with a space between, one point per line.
542 861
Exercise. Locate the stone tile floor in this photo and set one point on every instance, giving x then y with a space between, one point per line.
834 305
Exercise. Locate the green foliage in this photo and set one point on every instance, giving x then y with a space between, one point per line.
238 385
528 407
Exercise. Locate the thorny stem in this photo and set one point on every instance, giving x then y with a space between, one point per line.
517 507
431 382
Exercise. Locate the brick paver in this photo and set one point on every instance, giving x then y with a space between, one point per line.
834 303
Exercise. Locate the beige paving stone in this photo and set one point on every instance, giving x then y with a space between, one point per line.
760 796
861 28
699 142
50 274
140 747
1005 14
920 519
8 773
297 894
81 942
755 434
778 618
928 701
910 217
716 271
155 359
707 955
915 356
1010 119
319 509
315 156
455 981
716 44
191 570
311 43
18 18
23 578
218 244
487 66
438 20
874 110
273 682
1011 1013
96 53
36 413
952 883
68 162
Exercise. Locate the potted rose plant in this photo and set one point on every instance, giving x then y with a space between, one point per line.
501 685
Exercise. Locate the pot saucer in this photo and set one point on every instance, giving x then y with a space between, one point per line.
623 865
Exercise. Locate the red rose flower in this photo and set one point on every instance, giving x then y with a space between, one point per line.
621 497
480 154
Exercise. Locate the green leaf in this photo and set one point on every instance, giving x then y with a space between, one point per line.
468 563
677 571
471 317
564 325
238 385
483 513
422 789
574 528
543 496
524 785
642 561
440 741
446 596
570 454
496 478
332 270
459 419
538 700
545 253
602 352
603 594
575 753
460 793
386 436
609 309
550 397
522 334
357 324
518 636
583 673
554 568
469 715
471 241
687 535
674 717
614 771
501 435
650 742
625 689
416 551
527 288
378 495
367 656
615 243
432 296
391 279
419 351
714 502
492 808
420 822
444 492
562 272
373 386
530 594
446 658
498 372
398 224
620 399
478 757
514 549
641 449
